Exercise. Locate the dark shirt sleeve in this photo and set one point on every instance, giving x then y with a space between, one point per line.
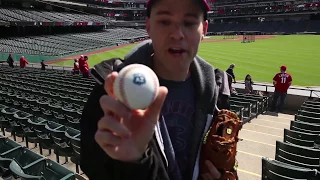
97 165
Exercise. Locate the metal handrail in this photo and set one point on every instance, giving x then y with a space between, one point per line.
312 91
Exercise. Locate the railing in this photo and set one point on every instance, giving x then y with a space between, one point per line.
307 91
34 65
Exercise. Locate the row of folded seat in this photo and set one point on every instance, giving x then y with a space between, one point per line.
298 156
248 106
42 108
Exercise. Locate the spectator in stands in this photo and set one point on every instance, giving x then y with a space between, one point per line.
23 62
117 143
281 81
248 84
81 63
86 67
10 61
43 65
75 67
230 71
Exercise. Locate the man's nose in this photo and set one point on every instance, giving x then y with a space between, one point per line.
177 32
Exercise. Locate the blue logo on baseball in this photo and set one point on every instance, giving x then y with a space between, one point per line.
139 79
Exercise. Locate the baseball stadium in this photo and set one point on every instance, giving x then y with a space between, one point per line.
41 104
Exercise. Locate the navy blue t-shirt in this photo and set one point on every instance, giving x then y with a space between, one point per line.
178 111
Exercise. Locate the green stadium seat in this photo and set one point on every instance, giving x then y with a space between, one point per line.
42 170
73 136
297 155
309 113
61 144
299 138
305 127
7 115
38 125
307 119
276 170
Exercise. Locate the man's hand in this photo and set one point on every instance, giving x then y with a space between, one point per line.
213 174
122 133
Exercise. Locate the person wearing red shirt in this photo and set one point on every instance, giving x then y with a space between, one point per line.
23 62
281 81
85 71
81 63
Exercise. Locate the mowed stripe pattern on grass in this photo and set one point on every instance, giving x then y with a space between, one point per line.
261 59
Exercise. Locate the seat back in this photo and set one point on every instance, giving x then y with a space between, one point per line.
275 170
299 138
305 127
6 144
307 119
297 155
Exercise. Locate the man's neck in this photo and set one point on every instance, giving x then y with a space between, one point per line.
161 71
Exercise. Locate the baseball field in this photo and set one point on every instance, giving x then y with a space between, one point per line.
261 59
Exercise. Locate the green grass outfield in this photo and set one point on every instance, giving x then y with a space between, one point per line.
261 59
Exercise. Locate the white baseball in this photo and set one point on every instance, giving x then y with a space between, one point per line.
136 86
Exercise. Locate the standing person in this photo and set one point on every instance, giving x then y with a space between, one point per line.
281 81
248 84
10 61
163 141
85 68
23 62
231 73
43 65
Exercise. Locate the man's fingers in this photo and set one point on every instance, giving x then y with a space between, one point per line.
213 170
105 138
108 85
108 123
109 104
155 108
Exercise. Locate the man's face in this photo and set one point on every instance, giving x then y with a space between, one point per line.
176 28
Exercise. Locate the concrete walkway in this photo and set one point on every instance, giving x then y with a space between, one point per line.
259 140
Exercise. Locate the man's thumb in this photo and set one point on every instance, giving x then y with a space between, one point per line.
155 108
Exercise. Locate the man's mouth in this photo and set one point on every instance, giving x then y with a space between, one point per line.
176 51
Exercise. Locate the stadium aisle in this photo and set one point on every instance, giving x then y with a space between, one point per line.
259 140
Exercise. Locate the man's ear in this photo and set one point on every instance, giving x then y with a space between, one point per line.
204 29
148 25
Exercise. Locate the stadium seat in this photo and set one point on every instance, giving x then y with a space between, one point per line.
297 155
38 125
276 170
308 113
23 156
42 170
73 136
61 144
7 116
305 127
307 119
299 138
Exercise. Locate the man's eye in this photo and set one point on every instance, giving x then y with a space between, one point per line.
164 22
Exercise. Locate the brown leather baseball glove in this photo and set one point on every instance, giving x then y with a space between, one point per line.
220 145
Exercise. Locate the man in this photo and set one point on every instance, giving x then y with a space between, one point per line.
163 141
23 62
85 67
10 61
43 65
230 72
281 81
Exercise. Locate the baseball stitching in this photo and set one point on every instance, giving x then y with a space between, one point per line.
121 87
